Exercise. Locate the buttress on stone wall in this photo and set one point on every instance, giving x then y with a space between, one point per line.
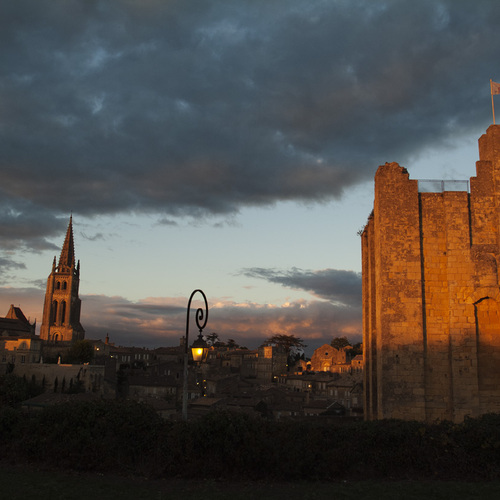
431 296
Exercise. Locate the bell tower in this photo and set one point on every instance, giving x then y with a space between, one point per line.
61 310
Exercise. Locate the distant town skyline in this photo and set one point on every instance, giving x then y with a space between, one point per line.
225 147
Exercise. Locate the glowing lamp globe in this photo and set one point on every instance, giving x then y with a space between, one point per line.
199 349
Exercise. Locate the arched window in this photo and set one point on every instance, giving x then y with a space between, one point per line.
63 313
58 285
64 285
53 318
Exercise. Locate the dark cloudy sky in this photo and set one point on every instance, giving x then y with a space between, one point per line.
224 145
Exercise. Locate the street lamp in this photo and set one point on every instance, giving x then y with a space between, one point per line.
199 348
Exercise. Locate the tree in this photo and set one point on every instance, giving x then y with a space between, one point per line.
212 339
357 349
287 341
14 390
231 344
340 342
75 387
81 351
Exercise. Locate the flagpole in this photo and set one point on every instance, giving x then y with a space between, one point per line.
492 104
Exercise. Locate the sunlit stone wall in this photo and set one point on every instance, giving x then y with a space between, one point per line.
431 295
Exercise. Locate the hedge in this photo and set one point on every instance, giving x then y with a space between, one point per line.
130 439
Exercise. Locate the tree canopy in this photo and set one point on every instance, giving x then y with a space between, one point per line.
232 344
340 342
81 351
213 338
288 341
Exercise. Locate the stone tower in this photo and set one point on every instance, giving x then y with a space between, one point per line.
431 293
61 310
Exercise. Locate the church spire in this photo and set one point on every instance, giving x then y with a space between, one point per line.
61 310
67 258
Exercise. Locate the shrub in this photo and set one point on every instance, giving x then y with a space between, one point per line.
129 438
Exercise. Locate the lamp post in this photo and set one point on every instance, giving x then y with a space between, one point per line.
199 348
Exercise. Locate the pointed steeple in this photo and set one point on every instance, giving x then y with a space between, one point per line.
67 258
61 310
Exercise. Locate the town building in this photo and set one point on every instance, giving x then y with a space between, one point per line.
15 350
431 316
18 342
342 389
328 359
357 364
15 324
271 362
242 361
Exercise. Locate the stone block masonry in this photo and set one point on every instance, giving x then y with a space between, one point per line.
431 296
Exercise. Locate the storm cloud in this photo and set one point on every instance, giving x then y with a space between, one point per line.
204 108
335 285
180 108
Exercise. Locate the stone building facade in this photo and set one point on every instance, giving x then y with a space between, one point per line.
15 324
16 350
327 358
18 342
431 295
271 362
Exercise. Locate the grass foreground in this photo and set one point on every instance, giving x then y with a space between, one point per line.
21 482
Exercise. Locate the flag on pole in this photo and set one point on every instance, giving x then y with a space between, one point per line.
495 88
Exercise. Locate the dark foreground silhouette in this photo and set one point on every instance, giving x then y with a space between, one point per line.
130 439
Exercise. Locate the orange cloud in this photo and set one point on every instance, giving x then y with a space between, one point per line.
161 321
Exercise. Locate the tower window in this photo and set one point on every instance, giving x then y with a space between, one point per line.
54 312
63 313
